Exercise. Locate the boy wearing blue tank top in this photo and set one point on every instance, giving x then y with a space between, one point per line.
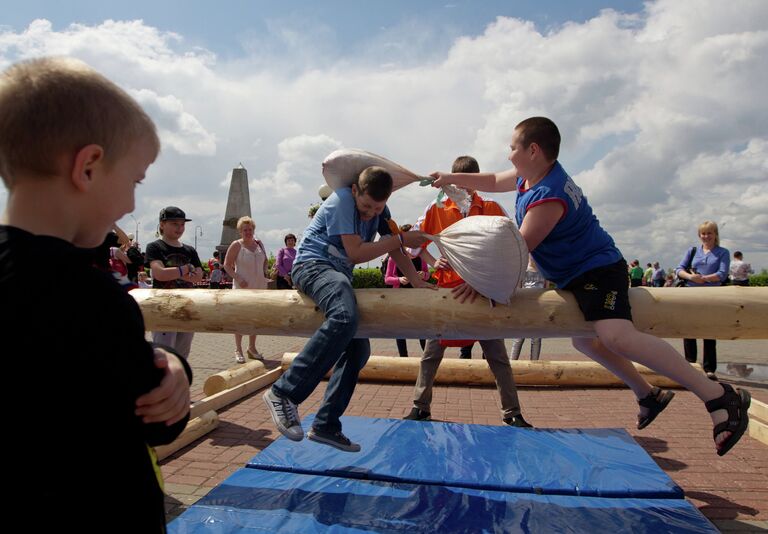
576 253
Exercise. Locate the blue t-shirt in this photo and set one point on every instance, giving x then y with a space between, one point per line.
336 217
718 260
577 243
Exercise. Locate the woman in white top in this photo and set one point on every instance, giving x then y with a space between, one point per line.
246 263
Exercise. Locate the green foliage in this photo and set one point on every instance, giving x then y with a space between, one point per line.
367 278
759 279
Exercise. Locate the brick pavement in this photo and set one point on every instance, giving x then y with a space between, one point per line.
731 491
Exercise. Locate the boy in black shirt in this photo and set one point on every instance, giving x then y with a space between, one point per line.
73 146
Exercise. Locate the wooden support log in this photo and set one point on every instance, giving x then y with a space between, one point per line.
476 372
758 421
227 397
195 429
232 377
732 312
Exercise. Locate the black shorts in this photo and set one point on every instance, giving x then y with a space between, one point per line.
603 293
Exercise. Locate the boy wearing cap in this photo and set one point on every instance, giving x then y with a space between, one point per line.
73 147
341 234
174 265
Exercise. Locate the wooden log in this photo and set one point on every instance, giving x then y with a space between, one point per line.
758 430
195 429
232 377
758 410
476 372
731 312
227 397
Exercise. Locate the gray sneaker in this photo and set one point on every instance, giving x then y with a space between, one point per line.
285 415
334 439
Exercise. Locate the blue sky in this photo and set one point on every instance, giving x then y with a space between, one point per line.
660 104
223 27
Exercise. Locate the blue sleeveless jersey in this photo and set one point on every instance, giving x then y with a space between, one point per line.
577 243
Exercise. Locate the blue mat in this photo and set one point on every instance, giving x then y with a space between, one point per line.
592 462
254 500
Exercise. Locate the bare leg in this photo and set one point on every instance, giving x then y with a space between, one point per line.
616 364
239 343
252 343
620 337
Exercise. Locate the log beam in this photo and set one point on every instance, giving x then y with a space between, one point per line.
476 372
731 312
195 429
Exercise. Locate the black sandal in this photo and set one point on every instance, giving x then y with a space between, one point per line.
655 401
736 403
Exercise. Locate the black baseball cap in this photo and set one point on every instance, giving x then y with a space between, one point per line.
173 213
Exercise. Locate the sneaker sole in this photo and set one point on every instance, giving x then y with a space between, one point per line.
319 439
280 427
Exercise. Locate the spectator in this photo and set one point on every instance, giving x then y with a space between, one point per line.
658 275
215 278
709 265
247 263
635 274
213 259
532 279
740 270
284 262
143 280
174 265
648 275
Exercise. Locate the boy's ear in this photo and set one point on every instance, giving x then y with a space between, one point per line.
85 163
354 190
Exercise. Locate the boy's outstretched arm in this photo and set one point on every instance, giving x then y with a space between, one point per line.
497 182
359 251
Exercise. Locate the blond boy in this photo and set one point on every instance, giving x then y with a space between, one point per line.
73 147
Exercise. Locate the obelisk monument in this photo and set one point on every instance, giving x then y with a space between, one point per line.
238 205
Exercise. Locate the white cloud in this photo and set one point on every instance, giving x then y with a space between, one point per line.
661 113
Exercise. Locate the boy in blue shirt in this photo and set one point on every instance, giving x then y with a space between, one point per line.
573 251
340 236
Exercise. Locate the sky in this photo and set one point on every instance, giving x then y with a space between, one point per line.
660 104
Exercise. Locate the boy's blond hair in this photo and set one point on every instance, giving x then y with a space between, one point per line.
50 108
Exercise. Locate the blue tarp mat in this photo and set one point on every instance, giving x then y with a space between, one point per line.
254 500
591 462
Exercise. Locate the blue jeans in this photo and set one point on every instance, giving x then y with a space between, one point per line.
332 344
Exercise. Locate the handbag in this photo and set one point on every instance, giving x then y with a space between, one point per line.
680 282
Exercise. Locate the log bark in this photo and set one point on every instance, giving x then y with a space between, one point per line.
731 312
195 429
476 372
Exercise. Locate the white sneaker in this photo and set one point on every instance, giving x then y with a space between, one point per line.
285 415
239 358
